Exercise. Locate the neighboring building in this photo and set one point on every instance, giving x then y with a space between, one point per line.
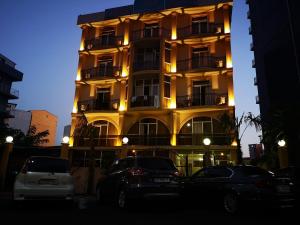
255 151
275 28
8 75
160 73
41 119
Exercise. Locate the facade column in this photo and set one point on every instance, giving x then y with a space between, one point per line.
233 156
174 121
174 58
173 94
228 53
123 105
215 82
227 27
126 32
231 100
125 71
174 26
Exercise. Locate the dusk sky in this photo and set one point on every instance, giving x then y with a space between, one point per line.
42 38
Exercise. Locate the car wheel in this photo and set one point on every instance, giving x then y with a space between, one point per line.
122 199
230 203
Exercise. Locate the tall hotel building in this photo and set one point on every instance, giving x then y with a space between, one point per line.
159 75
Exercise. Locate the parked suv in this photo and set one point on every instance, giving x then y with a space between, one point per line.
233 186
44 178
139 177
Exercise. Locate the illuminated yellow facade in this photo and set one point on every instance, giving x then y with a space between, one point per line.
162 79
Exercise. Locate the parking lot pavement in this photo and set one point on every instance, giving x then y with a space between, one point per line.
154 213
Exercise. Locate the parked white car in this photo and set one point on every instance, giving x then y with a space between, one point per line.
44 178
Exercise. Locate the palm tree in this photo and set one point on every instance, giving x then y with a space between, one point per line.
233 125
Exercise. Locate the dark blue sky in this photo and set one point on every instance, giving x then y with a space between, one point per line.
43 39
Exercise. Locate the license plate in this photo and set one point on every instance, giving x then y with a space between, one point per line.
283 188
161 180
49 182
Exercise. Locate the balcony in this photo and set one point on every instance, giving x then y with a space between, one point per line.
145 65
149 34
208 99
100 73
201 63
197 139
9 93
96 105
144 101
190 31
103 42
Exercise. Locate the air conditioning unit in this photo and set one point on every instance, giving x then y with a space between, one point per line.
90 46
87 76
83 107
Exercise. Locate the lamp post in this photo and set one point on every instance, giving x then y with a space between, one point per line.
282 154
206 160
8 147
64 152
125 141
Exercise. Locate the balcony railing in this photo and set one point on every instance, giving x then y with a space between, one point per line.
103 141
203 62
145 101
103 42
145 65
207 99
151 140
197 139
148 33
189 31
100 72
96 105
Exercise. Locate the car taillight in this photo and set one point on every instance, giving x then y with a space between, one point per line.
136 172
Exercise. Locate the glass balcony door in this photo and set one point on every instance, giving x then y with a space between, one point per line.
103 99
201 90
200 58
105 66
199 25
107 37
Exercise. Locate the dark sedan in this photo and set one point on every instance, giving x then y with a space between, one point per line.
234 186
139 177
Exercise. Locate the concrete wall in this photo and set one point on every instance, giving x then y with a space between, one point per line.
43 120
21 121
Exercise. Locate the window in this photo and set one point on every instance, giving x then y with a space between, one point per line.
167 86
45 164
156 164
199 25
105 66
151 30
167 52
107 37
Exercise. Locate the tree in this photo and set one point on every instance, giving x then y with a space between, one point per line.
233 125
32 138
83 131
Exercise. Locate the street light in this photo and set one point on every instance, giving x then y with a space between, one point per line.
65 140
206 141
125 140
9 139
281 143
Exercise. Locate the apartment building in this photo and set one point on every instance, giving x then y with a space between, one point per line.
275 31
8 75
154 78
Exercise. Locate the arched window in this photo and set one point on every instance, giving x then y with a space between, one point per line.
149 131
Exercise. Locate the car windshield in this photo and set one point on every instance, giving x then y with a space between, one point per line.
156 164
47 165
250 171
